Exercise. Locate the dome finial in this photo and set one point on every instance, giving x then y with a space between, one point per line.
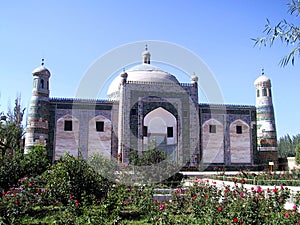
146 55
262 71
43 62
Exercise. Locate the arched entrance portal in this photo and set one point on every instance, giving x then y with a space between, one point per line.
160 130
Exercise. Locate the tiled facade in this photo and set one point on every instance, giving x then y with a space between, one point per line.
194 134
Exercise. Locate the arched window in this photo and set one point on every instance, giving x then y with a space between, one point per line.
264 92
42 83
257 93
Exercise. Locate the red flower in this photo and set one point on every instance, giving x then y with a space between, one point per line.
220 209
275 190
161 207
235 220
194 197
295 207
71 196
286 215
16 202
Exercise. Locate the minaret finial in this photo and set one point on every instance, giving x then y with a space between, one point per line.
262 71
43 62
146 55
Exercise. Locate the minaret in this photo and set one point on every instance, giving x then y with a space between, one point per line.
38 114
266 128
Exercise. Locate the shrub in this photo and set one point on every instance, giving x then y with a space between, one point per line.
74 176
14 168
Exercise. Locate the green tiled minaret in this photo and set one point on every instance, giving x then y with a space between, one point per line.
38 114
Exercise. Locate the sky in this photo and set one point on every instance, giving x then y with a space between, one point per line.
72 35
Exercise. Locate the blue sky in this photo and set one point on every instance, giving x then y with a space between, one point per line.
71 35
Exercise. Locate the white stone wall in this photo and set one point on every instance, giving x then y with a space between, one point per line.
66 141
213 143
99 142
240 149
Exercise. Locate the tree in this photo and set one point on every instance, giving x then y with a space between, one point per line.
286 32
287 145
297 150
11 129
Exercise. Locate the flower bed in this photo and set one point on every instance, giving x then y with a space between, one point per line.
204 202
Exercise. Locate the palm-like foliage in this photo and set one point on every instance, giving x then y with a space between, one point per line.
286 32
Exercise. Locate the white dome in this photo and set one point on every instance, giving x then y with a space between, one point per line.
142 73
262 79
41 70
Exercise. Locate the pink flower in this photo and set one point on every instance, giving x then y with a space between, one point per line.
220 209
286 215
176 191
161 207
194 197
71 196
16 202
199 181
22 180
295 207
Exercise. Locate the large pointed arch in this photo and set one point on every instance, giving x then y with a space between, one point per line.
160 127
